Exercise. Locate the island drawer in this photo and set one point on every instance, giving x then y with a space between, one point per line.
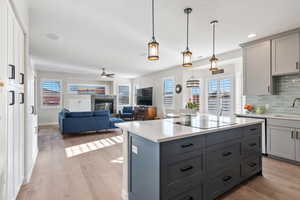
184 186
185 168
252 130
220 155
223 136
251 145
222 181
182 145
193 194
251 166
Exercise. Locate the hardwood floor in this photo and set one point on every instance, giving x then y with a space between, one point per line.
93 171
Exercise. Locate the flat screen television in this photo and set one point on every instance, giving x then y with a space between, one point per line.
144 96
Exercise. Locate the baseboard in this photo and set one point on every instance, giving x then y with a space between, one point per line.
124 195
49 124
29 174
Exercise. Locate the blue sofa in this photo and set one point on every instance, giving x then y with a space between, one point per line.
78 122
127 112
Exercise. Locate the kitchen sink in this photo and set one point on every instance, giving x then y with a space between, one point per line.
287 116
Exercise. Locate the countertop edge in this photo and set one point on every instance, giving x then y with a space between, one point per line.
203 132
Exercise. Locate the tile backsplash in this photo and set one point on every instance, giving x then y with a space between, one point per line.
286 89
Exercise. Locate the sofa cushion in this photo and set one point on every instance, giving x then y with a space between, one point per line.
101 113
79 114
116 120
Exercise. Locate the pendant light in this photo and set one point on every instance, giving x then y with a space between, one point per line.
153 46
193 83
187 54
214 60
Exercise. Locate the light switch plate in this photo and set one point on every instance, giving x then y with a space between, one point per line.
134 149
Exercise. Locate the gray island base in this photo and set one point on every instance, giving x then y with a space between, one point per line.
197 167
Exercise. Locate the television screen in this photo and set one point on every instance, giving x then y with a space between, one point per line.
144 96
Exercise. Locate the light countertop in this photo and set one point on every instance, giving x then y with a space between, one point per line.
165 129
270 116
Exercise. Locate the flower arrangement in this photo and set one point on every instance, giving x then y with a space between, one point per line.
191 105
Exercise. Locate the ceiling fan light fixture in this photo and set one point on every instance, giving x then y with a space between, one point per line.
187 54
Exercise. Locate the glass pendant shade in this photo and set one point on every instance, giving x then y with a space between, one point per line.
153 50
187 58
213 64
193 83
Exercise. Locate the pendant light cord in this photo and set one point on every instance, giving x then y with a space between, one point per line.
214 38
187 31
153 20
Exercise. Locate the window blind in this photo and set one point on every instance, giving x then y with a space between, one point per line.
220 94
196 97
123 95
51 93
168 92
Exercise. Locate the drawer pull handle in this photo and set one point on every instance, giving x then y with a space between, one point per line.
253 129
227 178
187 145
252 164
188 198
12 72
252 144
184 169
225 154
12 102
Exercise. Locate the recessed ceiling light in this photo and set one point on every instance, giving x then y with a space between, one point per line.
52 36
252 35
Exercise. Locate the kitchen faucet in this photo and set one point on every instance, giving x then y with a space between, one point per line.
294 102
220 108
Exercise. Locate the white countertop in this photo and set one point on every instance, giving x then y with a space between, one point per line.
165 129
271 116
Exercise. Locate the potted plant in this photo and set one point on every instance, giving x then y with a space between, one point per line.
191 107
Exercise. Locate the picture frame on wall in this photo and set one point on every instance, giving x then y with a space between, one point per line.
84 89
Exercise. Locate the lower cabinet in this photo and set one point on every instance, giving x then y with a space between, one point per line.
284 139
193 168
281 142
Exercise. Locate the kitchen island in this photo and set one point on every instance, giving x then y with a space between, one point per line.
194 158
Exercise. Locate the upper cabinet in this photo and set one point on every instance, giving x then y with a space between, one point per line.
257 69
286 55
264 58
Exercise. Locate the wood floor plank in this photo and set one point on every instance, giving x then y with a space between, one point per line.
96 172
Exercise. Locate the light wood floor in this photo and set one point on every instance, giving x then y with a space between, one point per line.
95 173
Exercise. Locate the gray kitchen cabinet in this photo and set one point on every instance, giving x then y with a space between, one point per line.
284 139
298 145
285 54
257 69
281 142
200 167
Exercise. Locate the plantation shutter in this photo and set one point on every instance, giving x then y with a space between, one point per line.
196 97
212 105
168 92
123 95
51 93
220 92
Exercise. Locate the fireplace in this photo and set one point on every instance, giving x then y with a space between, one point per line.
104 102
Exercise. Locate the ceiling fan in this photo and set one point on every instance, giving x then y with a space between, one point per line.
106 75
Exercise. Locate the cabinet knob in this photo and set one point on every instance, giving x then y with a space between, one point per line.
1 84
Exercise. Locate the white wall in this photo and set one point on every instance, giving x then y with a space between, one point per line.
155 80
231 61
50 115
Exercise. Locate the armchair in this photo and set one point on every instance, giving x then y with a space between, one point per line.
127 113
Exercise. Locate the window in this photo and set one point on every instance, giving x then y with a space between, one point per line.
123 95
196 97
51 93
168 92
220 94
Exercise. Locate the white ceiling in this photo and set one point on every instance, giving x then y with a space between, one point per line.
115 33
